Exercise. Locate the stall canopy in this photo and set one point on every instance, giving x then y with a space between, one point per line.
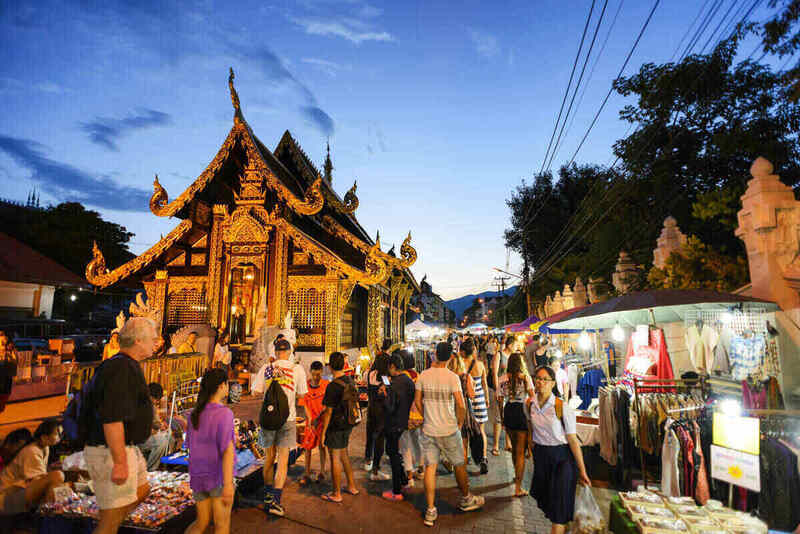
524 326
416 326
659 306
477 327
548 326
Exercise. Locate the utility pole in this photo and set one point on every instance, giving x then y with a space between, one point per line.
500 283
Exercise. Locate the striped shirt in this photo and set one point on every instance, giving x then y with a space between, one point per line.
439 407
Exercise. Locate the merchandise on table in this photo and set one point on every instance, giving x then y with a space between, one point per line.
169 496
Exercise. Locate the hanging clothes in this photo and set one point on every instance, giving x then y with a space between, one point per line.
611 357
701 344
779 501
746 355
651 359
670 451
589 385
608 425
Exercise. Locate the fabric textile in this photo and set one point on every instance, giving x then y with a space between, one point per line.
589 385
514 416
450 446
555 478
521 389
207 443
547 429
651 359
30 462
701 344
398 403
284 437
312 402
338 439
479 407
746 355
438 385
110 495
670 450
608 427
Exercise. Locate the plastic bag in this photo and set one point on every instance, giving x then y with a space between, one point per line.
588 517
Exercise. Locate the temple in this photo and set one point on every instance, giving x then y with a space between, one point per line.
263 233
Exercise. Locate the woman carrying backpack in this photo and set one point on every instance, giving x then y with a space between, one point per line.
557 457
211 454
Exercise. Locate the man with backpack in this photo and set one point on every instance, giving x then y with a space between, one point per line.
285 382
341 414
399 398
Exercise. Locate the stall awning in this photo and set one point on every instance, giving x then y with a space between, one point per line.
548 326
661 306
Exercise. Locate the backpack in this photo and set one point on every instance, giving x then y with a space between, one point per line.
78 414
351 409
560 413
275 408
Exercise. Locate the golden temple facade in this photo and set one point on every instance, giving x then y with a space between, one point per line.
263 233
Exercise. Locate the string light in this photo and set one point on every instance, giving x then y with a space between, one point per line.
617 334
583 341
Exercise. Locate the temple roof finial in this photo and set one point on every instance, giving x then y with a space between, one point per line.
328 166
234 97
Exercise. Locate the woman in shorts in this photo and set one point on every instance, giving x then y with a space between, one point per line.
515 388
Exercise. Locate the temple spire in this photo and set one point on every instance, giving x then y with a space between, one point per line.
237 115
328 166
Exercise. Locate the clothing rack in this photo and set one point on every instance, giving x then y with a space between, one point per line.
658 385
753 319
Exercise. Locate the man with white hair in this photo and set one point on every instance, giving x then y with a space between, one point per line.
118 415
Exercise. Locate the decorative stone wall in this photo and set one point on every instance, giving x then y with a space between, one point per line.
626 273
671 240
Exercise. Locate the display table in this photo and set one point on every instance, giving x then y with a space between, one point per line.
619 522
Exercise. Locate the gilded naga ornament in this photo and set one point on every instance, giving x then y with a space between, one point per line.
159 202
407 252
234 98
350 203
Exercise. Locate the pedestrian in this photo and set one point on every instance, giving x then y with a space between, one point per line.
557 457
276 443
222 353
336 428
25 481
312 402
157 445
439 399
212 451
376 417
499 369
541 353
13 443
530 354
399 398
112 347
515 388
474 376
190 345
119 415
410 446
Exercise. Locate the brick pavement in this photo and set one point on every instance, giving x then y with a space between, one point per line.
306 512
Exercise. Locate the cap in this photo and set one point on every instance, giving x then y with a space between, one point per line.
282 344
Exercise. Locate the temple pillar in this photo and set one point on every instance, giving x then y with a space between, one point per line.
159 298
567 298
374 318
215 270
277 277
597 290
769 225
579 296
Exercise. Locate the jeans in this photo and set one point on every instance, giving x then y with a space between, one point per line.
156 447
375 442
399 477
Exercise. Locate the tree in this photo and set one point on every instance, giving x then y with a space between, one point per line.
781 37
65 234
699 266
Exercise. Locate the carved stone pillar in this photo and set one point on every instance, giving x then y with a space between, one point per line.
374 318
159 297
579 296
332 318
769 224
215 267
567 298
625 274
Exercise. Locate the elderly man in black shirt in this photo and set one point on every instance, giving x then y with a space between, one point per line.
119 415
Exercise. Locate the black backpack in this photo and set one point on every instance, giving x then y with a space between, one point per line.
275 408
351 410
77 416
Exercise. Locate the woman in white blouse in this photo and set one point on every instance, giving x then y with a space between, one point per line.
557 457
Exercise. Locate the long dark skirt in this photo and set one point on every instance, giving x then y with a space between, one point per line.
555 478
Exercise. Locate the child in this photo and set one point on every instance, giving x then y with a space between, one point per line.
311 438
211 454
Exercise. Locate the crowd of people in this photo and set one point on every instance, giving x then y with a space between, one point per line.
421 420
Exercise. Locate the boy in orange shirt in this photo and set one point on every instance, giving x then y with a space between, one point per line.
314 408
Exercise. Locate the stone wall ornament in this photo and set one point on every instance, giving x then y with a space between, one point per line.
671 240
626 274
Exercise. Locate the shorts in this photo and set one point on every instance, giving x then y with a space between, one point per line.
338 439
514 416
451 447
285 436
12 501
203 495
110 495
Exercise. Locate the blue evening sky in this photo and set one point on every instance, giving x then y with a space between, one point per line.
438 109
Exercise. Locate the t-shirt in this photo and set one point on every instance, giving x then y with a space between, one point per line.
530 356
206 446
119 393
313 399
439 407
520 391
547 428
292 377
222 354
30 462
333 400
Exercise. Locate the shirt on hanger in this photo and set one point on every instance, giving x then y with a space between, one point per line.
701 344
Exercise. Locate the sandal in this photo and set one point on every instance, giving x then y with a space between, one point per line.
522 493
347 490
305 480
329 497
495 452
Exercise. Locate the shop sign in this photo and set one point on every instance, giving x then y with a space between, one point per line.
737 432
737 468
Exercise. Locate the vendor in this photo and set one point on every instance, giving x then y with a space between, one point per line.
188 346
112 347
24 482
13 443
557 457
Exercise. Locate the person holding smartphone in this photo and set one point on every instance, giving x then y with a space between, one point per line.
399 393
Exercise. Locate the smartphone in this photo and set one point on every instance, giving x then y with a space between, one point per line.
386 380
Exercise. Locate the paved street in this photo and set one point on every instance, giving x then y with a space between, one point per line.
368 512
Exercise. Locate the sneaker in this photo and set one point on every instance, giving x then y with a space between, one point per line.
389 495
471 502
368 466
379 476
431 515
275 508
268 500
484 467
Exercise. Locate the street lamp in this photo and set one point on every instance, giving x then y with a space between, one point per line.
73 297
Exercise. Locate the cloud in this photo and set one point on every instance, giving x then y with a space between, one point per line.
322 120
330 68
106 131
485 44
65 181
351 29
12 85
